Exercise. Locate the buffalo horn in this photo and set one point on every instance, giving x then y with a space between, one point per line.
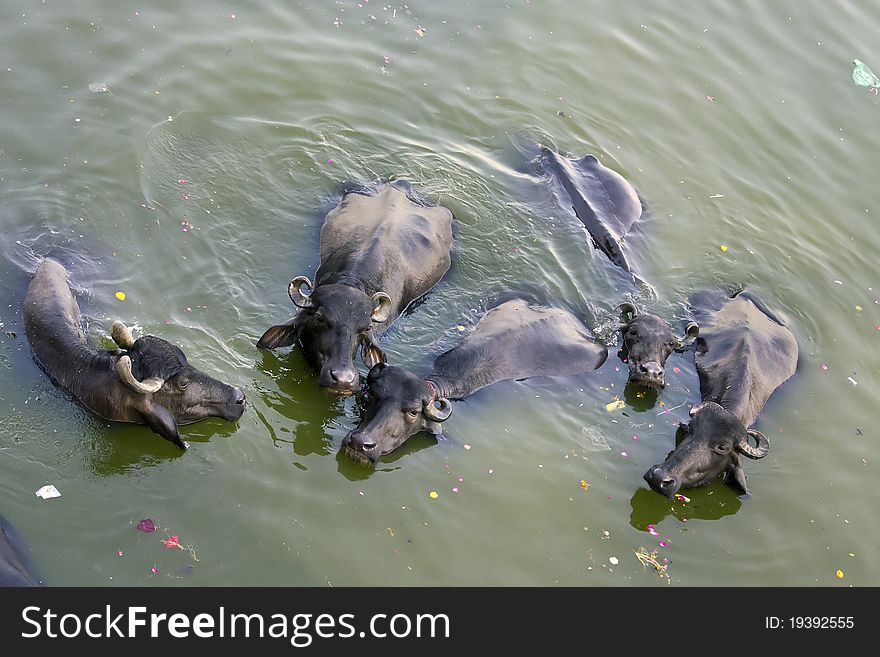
299 298
625 309
121 335
758 452
441 414
381 307
146 387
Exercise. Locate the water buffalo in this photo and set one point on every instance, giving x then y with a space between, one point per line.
14 569
744 352
145 381
512 341
378 254
648 341
605 202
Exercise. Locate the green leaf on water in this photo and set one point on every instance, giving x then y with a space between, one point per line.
864 76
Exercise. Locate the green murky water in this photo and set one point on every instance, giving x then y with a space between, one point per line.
740 125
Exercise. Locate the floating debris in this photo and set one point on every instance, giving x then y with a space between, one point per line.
420 31
433 495
99 88
613 561
120 295
48 492
585 485
839 574
172 543
650 559
682 498
723 248
146 525
864 76
615 405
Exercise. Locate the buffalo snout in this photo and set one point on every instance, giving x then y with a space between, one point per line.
663 481
340 380
361 446
650 374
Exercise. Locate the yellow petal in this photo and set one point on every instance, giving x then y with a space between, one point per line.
120 296
433 495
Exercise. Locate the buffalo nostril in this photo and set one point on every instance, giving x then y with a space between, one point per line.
367 447
239 396
667 483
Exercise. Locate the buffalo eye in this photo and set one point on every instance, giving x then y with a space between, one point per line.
182 384
413 413
722 448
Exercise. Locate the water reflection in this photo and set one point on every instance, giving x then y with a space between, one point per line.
354 470
130 448
298 397
640 398
710 503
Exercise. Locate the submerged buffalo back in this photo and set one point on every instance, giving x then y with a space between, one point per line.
52 321
14 567
518 341
605 202
742 355
386 243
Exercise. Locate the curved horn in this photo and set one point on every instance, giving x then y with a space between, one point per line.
299 298
441 414
691 331
121 335
123 369
699 407
758 452
381 307
625 309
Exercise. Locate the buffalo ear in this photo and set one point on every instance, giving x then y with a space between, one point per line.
281 335
371 353
682 432
736 474
162 422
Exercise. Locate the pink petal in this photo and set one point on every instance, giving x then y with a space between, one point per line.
146 525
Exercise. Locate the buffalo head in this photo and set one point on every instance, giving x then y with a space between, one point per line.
399 405
168 390
647 343
712 445
333 322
